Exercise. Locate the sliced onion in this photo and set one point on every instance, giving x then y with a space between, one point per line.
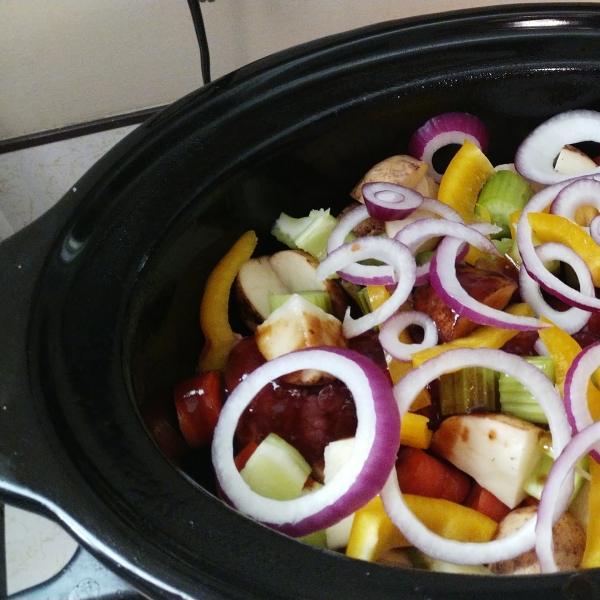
445 129
595 229
357 273
442 209
556 493
387 250
361 477
396 324
536 155
416 234
390 201
575 390
572 319
445 282
531 261
581 192
406 391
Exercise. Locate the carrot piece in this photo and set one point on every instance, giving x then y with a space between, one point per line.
422 474
486 503
198 402
244 455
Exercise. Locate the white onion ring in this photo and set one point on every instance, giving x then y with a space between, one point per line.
595 229
575 390
581 192
572 319
442 209
532 262
445 129
387 250
415 234
391 329
390 201
357 273
445 282
361 477
407 389
557 491
535 156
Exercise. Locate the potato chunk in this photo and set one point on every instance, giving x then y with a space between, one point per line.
569 544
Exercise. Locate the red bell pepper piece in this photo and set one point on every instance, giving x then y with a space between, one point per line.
486 503
422 474
244 454
198 402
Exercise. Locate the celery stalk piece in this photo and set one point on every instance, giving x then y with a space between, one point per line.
362 299
319 298
309 233
504 193
468 389
276 469
517 400
534 484
286 229
317 539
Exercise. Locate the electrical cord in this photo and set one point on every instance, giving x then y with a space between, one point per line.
198 20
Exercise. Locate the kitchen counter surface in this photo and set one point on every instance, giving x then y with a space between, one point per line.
31 181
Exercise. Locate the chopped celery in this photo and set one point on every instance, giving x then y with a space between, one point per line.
362 299
517 400
306 233
504 193
534 484
424 257
504 245
286 229
468 389
319 298
276 469
317 539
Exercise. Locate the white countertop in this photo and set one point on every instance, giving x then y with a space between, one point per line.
31 181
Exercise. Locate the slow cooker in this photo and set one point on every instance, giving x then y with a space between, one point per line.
99 304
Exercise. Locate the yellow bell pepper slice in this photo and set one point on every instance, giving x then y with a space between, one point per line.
463 179
398 369
214 307
485 336
373 532
563 349
554 228
591 555
414 431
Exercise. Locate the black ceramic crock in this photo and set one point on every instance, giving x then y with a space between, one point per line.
99 302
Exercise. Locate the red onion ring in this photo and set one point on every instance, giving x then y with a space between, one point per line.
396 324
557 491
415 234
442 209
575 390
581 192
390 201
357 273
444 129
389 251
572 319
445 282
535 156
532 262
361 477
406 390
595 229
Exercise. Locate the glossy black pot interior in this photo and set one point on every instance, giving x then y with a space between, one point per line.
99 313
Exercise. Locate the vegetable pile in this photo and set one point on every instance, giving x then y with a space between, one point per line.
419 382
